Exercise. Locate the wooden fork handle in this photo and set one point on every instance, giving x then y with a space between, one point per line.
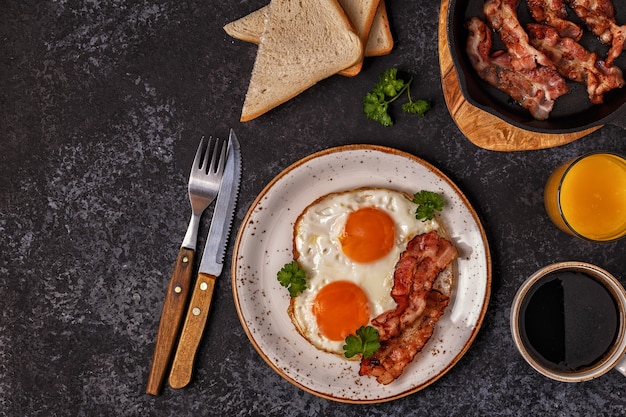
190 338
171 319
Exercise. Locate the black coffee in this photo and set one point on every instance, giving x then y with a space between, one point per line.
568 321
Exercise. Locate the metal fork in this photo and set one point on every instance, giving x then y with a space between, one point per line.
204 184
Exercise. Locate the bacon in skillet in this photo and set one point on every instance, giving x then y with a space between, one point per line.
535 89
554 13
599 17
426 255
576 63
395 354
502 17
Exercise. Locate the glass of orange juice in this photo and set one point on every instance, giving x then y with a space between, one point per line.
586 196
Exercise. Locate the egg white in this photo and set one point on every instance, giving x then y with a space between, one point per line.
318 251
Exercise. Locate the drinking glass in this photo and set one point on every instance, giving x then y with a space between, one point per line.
586 196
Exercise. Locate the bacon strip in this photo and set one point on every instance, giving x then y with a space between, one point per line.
502 17
535 90
576 63
405 330
425 257
599 17
554 13
395 354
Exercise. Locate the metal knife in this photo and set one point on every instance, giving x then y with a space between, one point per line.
210 268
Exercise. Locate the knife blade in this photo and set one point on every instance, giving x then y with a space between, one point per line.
210 268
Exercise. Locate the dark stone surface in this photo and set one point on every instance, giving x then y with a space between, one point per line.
102 105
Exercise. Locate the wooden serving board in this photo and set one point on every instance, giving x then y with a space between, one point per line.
481 128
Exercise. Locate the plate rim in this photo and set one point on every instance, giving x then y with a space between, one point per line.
336 150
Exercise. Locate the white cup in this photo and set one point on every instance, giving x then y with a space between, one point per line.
554 280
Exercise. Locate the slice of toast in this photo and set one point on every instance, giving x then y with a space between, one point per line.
361 13
302 43
380 40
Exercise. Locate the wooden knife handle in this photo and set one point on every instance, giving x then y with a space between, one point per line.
190 338
171 319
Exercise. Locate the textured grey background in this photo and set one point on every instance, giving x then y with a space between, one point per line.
102 104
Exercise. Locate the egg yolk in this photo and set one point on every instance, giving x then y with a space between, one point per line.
340 308
368 235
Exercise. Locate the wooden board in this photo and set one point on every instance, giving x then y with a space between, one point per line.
481 128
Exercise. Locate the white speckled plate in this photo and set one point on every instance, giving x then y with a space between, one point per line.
264 245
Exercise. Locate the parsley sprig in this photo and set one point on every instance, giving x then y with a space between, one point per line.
365 341
293 278
388 89
427 203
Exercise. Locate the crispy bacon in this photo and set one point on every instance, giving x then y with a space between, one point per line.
599 17
535 89
554 13
576 63
404 331
425 257
502 17
395 354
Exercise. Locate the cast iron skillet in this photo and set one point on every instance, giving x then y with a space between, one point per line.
572 112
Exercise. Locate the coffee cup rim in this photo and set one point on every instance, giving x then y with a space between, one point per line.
619 348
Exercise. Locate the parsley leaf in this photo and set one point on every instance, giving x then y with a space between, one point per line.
365 341
427 203
293 278
375 108
390 84
388 89
419 107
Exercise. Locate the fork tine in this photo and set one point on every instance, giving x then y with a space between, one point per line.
222 161
218 159
214 153
197 160
210 157
210 153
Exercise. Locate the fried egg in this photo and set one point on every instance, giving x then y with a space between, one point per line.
348 244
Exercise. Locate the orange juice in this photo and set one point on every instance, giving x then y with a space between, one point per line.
586 197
